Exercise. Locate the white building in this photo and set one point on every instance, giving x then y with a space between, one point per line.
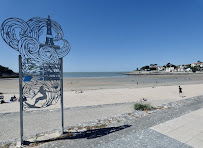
181 68
197 64
160 68
170 69
188 69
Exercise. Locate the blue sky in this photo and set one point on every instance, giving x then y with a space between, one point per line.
116 35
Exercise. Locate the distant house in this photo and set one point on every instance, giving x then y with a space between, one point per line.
153 68
197 64
160 68
188 69
181 68
170 69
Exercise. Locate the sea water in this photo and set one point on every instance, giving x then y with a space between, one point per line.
93 74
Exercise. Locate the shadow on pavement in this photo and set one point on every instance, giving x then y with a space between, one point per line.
89 134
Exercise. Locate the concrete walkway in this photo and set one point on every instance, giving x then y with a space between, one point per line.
178 127
187 129
36 122
183 132
170 128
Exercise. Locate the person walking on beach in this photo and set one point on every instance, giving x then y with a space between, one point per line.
180 91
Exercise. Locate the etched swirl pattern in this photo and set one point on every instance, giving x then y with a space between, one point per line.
40 62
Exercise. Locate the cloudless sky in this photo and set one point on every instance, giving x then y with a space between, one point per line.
116 35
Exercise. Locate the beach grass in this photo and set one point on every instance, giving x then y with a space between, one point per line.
6 145
142 107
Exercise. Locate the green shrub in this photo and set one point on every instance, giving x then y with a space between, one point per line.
142 107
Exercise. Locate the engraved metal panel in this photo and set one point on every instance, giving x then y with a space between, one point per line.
41 72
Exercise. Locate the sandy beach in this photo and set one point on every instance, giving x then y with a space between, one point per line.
97 91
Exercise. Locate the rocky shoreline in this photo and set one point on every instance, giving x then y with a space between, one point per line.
9 76
5 72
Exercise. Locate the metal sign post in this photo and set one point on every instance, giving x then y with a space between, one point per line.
21 99
62 117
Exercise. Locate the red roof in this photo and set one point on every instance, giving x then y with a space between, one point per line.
198 63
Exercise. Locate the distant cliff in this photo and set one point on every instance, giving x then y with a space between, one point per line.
5 72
